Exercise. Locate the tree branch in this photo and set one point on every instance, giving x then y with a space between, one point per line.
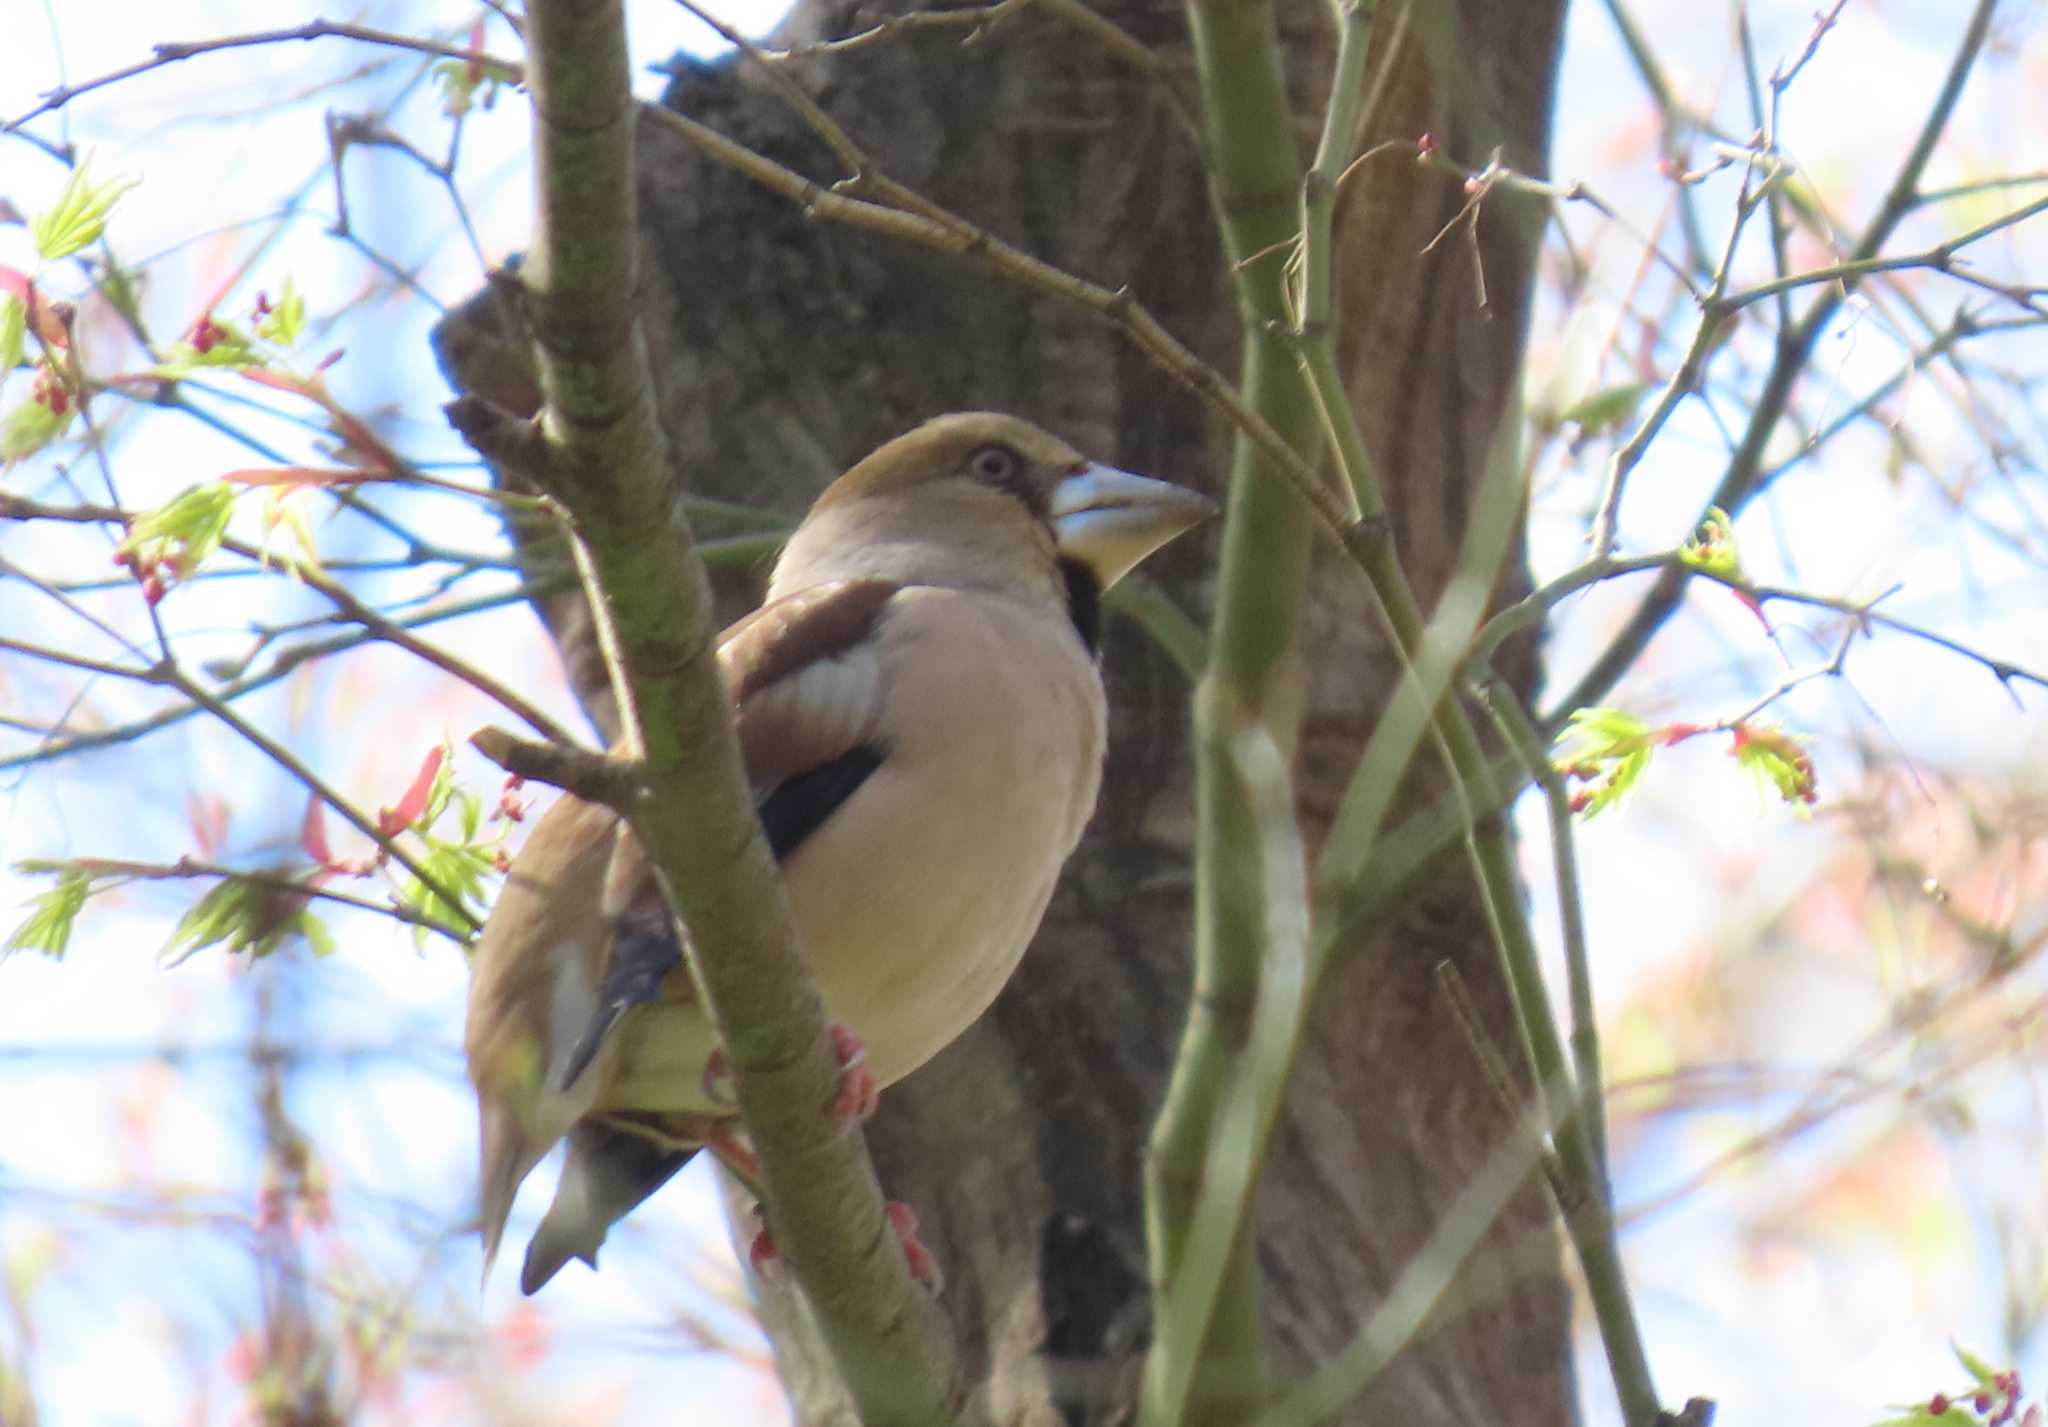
172 52
693 813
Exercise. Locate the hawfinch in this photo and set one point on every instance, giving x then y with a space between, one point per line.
921 718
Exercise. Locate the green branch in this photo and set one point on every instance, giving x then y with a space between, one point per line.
1205 1360
608 463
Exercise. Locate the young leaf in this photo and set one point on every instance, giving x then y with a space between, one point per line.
1609 751
458 867
285 322
417 806
48 928
31 425
1976 1367
468 83
79 215
13 333
284 505
1602 411
256 917
183 531
1782 763
211 345
1712 547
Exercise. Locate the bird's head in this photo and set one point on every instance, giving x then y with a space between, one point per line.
979 486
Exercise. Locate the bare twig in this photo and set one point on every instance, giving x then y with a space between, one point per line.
173 52
1534 607
170 675
1739 481
186 868
1587 1078
980 20
590 776
379 625
1113 305
1940 258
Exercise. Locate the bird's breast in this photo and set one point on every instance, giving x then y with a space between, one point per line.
918 897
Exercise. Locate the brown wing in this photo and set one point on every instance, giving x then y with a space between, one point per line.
805 679
807 689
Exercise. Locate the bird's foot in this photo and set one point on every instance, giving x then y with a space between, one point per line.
762 1255
854 1101
922 1262
766 1260
859 1094
717 1082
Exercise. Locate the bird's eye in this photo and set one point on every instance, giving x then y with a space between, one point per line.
994 464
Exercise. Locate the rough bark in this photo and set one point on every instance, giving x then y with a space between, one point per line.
785 347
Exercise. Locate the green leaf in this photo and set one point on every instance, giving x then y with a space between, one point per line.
1780 761
245 915
30 426
48 928
319 940
287 319
13 333
122 290
1712 547
1602 411
183 531
465 84
228 346
1976 1367
1608 752
458 867
78 217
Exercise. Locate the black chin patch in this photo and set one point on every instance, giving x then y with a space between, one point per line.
1084 603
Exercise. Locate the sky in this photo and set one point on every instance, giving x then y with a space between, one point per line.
121 1084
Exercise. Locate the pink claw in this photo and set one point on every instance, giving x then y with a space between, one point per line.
717 1081
859 1095
923 1263
762 1255
765 1259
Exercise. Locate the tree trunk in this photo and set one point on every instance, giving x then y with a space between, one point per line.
785 347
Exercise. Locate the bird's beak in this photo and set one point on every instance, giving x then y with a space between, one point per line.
1109 519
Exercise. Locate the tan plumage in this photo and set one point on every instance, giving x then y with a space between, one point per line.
922 721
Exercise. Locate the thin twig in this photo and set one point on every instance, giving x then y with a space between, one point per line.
173 52
1794 350
188 867
1534 607
279 667
170 675
1116 306
1940 258
1588 1081
592 777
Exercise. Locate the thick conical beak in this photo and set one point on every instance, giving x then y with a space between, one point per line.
1109 519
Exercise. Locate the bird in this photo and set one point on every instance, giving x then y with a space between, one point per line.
922 719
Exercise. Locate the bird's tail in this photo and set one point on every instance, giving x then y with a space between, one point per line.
613 1164
506 1159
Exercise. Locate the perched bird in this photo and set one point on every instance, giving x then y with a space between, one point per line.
922 723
